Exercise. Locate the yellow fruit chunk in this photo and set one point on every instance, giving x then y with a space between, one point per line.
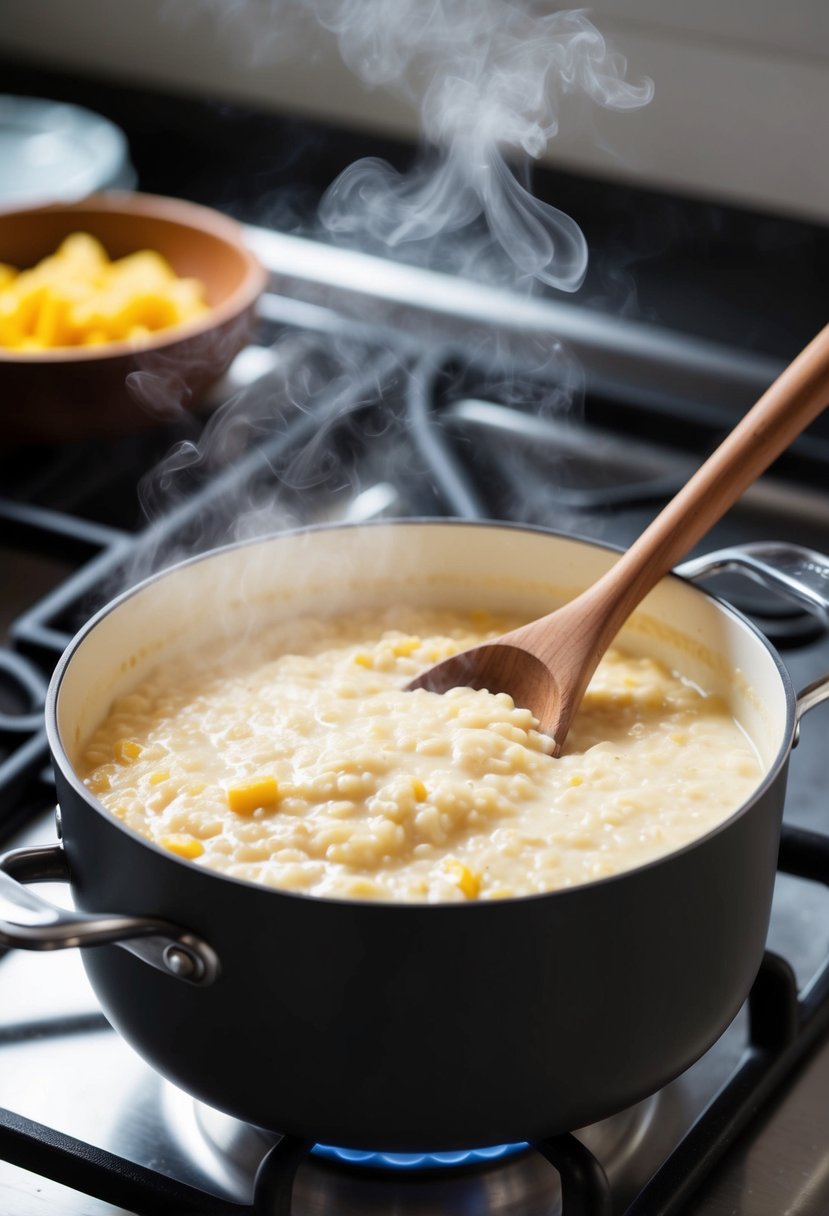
468 882
363 659
98 783
405 646
83 251
247 798
126 750
161 775
95 337
146 268
419 790
183 845
79 297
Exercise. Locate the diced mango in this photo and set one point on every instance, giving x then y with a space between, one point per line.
405 646
247 798
78 297
468 882
184 845
96 337
146 268
157 778
82 250
419 790
126 750
149 307
187 295
98 782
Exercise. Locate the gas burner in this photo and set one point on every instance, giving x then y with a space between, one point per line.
502 1180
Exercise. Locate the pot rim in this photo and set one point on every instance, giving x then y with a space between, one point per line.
61 760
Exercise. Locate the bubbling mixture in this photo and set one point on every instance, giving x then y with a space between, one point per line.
297 760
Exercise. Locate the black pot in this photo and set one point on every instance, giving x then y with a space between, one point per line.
417 1027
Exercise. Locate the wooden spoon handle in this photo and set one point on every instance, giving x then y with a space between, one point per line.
794 400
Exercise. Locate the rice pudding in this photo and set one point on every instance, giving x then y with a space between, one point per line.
297 760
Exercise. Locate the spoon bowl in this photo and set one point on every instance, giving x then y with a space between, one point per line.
547 664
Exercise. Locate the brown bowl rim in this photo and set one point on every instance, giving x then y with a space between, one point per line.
158 206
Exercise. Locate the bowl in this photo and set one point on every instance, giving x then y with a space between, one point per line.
67 393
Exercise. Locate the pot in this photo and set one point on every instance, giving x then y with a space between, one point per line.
409 1027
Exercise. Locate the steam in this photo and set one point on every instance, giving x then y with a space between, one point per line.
492 82
272 457
489 78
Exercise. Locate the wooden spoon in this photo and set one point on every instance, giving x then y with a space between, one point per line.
547 665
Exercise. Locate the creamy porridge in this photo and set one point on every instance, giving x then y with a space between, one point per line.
297 760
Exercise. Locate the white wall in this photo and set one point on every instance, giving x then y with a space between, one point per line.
740 111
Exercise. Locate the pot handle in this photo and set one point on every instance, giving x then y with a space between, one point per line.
793 570
29 922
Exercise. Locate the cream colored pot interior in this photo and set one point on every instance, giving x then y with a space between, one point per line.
452 565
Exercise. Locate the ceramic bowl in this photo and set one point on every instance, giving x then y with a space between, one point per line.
67 393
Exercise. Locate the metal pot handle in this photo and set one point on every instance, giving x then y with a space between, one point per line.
801 573
30 922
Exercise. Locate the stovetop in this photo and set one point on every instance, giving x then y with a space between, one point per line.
322 421
380 388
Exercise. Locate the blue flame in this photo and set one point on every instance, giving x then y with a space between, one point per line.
417 1161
